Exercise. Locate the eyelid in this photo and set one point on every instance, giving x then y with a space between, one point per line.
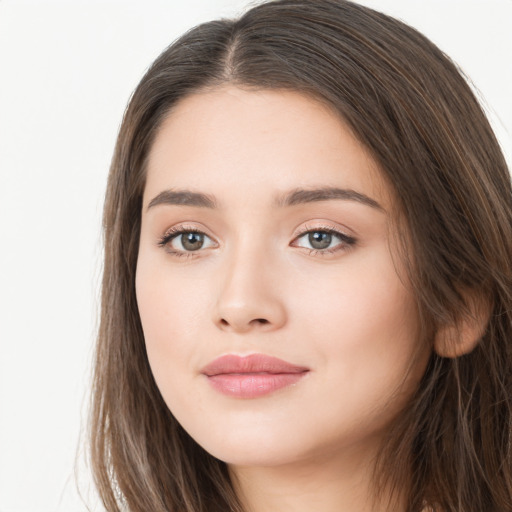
346 241
174 231
323 226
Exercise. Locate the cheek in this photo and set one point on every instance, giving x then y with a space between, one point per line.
365 328
170 311
358 304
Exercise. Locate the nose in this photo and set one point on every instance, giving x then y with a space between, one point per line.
249 297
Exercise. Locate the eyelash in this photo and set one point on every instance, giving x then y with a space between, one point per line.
173 233
346 241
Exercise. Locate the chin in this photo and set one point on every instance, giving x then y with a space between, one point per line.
256 456
251 450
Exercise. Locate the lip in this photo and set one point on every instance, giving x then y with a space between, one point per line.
251 376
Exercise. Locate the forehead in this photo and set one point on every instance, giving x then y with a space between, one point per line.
230 139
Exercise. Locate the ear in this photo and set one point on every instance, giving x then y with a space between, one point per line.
463 336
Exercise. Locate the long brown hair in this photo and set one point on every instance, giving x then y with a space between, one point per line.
410 106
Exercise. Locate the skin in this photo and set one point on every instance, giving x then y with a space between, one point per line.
255 286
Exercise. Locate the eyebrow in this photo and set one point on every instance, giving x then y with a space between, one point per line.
302 196
183 197
291 198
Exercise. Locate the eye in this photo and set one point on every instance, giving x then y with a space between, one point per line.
180 241
324 240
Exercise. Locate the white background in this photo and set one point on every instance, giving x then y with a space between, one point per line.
66 72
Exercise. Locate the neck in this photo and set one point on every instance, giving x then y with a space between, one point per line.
331 483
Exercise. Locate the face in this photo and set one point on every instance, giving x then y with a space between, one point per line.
276 323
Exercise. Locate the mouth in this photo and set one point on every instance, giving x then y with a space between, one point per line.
251 376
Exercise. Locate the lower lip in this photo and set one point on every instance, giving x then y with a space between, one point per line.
252 385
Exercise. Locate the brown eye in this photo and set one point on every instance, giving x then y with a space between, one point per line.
185 241
192 241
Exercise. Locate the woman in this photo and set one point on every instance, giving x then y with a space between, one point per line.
307 286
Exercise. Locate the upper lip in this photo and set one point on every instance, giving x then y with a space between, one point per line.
254 363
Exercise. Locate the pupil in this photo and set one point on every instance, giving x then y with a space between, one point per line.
320 239
192 241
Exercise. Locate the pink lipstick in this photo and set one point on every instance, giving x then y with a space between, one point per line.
251 376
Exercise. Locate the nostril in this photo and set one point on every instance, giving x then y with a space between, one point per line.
262 321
